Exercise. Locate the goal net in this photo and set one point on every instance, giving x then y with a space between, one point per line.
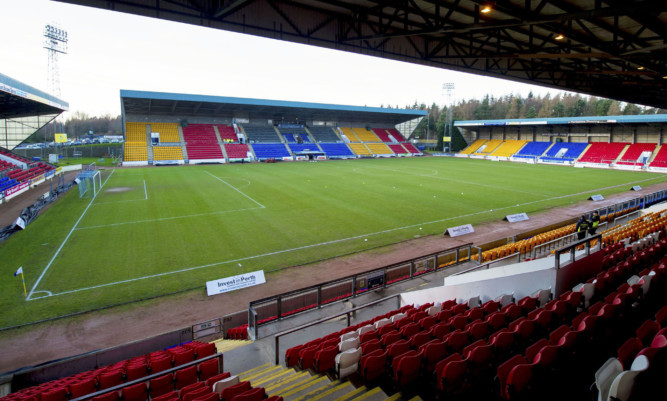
89 183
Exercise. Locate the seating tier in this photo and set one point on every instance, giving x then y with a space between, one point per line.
201 142
365 135
261 134
167 153
324 134
379 148
631 156
660 159
533 149
336 149
168 132
270 150
508 148
360 149
573 150
473 147
236 150
602 152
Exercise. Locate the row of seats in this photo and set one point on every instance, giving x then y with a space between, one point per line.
597 152
167 153
135 142
508 148
168 132
127 370
634 152
201 142
603 152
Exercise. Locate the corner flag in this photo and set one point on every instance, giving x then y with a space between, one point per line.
16 273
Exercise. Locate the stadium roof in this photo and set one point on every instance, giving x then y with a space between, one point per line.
636 119
160 103
20 100
610 48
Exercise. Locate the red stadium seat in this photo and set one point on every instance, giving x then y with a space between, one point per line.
255 394
161 385
230 392
185 377
135 392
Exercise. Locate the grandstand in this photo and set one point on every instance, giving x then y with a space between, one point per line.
360 149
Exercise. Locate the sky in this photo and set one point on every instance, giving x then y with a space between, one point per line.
109 51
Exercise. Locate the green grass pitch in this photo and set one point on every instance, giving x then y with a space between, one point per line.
152 231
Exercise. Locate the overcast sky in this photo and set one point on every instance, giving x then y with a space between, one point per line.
109 51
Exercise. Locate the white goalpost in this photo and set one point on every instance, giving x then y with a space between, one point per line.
89 181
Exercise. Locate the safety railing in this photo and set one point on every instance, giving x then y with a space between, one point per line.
326 319
280 306
572 248
147 379
503 260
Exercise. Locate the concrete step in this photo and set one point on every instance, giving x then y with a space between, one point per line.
288 383
257 369
276 377
315 383
352 394
334 391
223 345
374 394
259 374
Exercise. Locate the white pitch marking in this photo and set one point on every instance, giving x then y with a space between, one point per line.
235 189
67 238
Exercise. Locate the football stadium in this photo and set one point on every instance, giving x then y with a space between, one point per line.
254 249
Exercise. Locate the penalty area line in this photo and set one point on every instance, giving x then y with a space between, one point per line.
32 290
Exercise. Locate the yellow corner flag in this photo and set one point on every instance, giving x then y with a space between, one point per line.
16 273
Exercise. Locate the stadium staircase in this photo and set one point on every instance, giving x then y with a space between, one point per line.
149 144
293 385
220 142
183 149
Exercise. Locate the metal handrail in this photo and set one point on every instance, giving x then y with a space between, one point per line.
326 319
573 247
488 264
152 376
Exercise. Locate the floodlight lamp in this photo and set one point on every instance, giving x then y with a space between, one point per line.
640 68
559 37
486 8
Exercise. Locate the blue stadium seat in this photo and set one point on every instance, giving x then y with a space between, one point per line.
533 149
336 149
270 150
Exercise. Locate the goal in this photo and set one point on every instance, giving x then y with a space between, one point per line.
89 183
